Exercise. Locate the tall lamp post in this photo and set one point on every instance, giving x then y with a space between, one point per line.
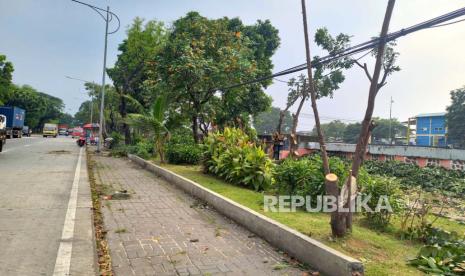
91 97
390 121
107 17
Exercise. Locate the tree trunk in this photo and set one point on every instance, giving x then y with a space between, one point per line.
124 113
311 88
374 87
280 122
195 128
295 120
338 219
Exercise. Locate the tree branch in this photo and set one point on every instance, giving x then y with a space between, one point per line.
383 79
365 68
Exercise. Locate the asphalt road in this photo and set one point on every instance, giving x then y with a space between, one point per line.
45 208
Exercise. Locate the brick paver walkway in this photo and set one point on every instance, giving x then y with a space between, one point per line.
161 230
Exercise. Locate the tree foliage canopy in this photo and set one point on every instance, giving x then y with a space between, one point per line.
456 117
6 75
203 55
40 107
265 122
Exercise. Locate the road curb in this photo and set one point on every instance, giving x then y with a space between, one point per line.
84 257
305 249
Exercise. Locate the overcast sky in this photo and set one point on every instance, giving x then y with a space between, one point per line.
48 39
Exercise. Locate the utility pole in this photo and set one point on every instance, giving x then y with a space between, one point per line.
91 104
390 122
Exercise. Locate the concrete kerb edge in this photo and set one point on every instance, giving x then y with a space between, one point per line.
85 168
305 249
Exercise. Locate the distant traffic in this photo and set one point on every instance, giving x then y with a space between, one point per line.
12 126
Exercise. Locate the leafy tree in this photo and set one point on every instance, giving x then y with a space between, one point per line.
351 133
131 70
265 122
112 118
382 126
333 130
202 55
66 118
83 115
456 118
6 75
237 105
40 107
154 122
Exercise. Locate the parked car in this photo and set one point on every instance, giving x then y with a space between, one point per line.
50 130
2 131
63 131
26 131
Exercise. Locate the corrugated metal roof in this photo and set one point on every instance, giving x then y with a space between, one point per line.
437 114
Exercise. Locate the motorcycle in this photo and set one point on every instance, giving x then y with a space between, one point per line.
81 141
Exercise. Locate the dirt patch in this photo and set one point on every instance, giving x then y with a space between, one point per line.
103 251
59 152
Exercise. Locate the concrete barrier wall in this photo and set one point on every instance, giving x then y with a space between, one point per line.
411 151
319 256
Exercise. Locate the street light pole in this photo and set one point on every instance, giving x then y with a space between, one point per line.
91 97
390 122
102 100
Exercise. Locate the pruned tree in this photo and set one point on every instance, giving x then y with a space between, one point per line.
297 90
385 66
327 78
341 222
265 122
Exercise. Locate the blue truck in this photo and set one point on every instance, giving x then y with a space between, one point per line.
14 120
2 131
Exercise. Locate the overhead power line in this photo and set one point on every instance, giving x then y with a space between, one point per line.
368 45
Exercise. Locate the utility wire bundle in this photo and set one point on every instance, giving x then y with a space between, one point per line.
368 45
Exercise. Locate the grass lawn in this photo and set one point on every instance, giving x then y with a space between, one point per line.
381 253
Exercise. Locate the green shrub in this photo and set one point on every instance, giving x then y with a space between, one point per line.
299 177
182 149
119 151
184 154
443 254
232 156
143 149
117 138
429 178
378 186
306 176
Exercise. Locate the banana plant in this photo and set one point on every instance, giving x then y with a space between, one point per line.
154 122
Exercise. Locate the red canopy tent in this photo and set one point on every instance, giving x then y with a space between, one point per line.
91 132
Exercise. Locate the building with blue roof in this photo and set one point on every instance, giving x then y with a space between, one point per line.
431 130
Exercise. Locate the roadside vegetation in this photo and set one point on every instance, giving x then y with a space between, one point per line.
41 107
170 102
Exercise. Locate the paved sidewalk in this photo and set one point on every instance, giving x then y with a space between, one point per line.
161 230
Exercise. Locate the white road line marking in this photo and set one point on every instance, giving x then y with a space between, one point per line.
63 261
